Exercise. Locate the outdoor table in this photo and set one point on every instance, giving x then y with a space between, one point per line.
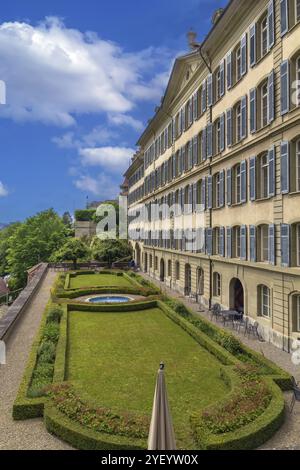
230 315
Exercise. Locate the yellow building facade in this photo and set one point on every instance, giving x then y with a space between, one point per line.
225 146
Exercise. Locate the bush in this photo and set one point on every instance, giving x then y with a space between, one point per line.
46 352
51 332
85 215
54 315
43 372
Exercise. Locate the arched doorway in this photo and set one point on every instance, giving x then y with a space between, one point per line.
137 255
146 263
188 280
236 295
162 270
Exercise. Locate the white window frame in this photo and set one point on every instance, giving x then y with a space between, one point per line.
264 36
264 244
218 189
218 136
265 297
238 184
218 83
264 176
236 252
238 63
217 285
238 121
264 104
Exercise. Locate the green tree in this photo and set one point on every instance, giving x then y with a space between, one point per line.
33 242
110 250
67 219
72 250
5 235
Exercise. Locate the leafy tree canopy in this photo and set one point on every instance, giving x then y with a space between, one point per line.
72 250
110 250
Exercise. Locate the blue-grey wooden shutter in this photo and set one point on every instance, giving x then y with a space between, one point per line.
204 145
229 242
271 185
209 239
244 54
210 140
285 168
190 155
222 188
195 106
285 245
210 90
271 24
253 110
229 127
285 87
272 244
222 241
252 243
271 97
229 186
243 242
195 196
284 17
222 132
183 119
203 193
209 192
253 45
252 178
244 117
204 97
243 181
195 150
222 77
229 70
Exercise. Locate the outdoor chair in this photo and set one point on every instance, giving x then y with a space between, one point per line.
253 329
242 324
193 297
295 397
216 312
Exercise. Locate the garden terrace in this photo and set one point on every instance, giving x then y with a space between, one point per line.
106 358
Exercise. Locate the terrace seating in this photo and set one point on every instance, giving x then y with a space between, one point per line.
216 312
253 330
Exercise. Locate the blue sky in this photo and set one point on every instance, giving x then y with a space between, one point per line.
82 79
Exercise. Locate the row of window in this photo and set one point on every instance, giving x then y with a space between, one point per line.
261 38
137 176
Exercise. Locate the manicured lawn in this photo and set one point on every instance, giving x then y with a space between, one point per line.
98 280
113 358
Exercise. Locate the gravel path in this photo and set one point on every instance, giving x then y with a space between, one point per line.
288 436
30 434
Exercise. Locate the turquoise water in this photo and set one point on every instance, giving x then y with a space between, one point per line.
109 299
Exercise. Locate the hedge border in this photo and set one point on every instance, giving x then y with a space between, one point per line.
73 274
86 439
126 307
251 435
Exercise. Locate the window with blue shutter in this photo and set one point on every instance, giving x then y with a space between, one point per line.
204 97
173 129
252 243
252 171
229 70
253 110
209 192
210 140
174 166
285 168
195 106
243 242
204 145
284 17
285 245
229 186
210 90
272 244
272 172
243 181
244 117
203 193
195 196
222 188
229 127
209 240
271 97
222 132
180 161
195 150
271 24
253 45
229 242
222 241
244 54
285 87
183 119
190 154
222 78
190 205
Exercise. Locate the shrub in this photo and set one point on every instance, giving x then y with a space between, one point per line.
43 371
46 352
51 332
54 315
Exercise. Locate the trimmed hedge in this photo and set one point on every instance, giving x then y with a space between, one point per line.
85 439
249 436
84 215
126 307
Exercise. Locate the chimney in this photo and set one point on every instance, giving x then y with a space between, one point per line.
217 15
191 37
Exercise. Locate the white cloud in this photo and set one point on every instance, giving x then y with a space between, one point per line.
102 186
111 158
99 135
54 73
126 120
3 190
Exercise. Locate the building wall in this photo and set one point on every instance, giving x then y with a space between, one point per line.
282 281
84 229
